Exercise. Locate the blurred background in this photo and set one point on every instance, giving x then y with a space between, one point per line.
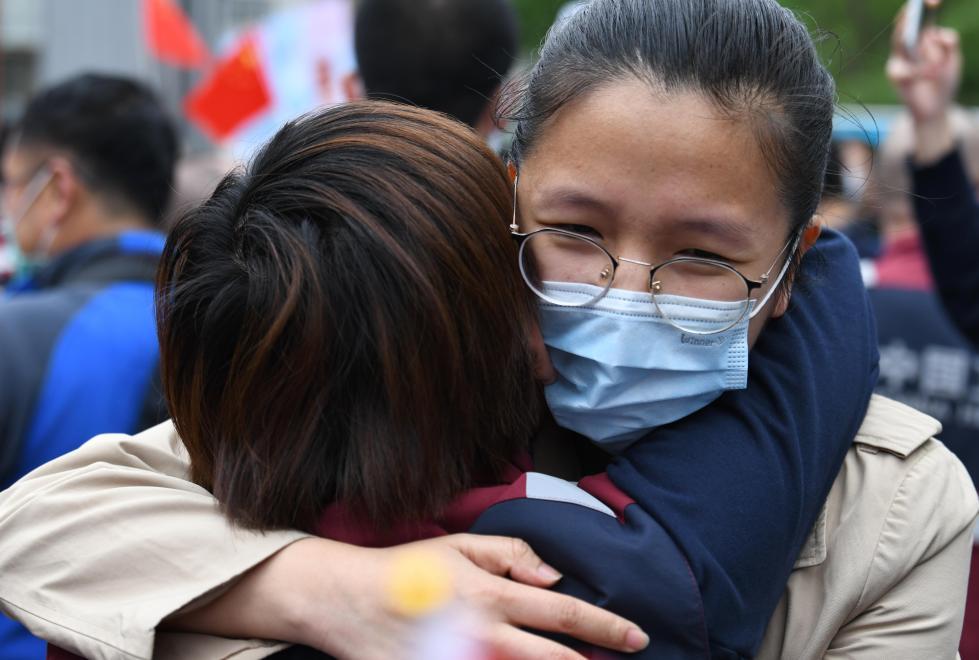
44 41
856 40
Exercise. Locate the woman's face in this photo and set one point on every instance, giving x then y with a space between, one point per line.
655 176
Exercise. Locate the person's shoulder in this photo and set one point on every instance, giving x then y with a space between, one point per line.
42 308
35 303
895 428
908 475
161 438
899 498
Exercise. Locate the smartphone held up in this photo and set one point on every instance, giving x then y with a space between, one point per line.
919 14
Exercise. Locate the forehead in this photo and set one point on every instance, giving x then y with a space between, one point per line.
673 154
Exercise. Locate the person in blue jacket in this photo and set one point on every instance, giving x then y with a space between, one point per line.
87 177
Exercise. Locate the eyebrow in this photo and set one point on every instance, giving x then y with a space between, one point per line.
731 230
575 197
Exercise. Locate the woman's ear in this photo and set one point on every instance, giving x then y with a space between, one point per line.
811 234
809 237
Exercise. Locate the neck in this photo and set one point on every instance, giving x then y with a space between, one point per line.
93 224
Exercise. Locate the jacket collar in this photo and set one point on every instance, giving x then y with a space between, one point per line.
895 428
135 251
890 427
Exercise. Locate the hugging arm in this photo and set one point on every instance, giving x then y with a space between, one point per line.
109 543
948 213
713 510
739 484
103 543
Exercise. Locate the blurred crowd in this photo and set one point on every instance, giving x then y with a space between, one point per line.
92 178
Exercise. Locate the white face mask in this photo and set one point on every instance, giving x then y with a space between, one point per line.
25 263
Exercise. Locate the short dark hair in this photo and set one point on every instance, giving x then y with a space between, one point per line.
750 58
345 321
117 133
446 55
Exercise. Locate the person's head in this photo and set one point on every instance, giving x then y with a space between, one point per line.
678 128
445 55
890 186
91 156
344 321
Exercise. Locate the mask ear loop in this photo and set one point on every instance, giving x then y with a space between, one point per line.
515 175
778 280
51 231
34 189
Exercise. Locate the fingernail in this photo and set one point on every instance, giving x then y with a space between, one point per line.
636 640
548 573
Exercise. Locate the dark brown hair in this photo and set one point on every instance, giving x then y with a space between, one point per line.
344 321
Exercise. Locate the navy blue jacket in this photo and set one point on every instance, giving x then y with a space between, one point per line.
720 503
947 210
78 357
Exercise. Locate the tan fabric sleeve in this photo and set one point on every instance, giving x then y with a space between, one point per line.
914 597
102 544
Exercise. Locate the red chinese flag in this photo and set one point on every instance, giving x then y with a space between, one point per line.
171 36
234 92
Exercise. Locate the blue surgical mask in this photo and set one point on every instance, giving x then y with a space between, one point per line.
25 265
623 370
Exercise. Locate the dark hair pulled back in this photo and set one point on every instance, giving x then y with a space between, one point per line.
750 58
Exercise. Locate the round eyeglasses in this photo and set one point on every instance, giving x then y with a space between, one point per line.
571 270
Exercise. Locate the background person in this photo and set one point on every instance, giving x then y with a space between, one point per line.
87 175
944 195
925 360
446 56
7 252
944 152
451 57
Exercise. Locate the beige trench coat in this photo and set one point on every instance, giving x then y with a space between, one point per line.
883 574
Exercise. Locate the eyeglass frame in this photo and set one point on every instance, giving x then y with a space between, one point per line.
751 285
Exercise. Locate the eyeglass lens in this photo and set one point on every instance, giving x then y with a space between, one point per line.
551 259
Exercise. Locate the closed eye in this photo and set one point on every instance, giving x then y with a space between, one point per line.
702 254
583 230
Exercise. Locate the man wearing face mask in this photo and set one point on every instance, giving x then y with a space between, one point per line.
86 175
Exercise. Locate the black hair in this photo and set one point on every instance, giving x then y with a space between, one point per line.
445 55
748 57
833 180
115 131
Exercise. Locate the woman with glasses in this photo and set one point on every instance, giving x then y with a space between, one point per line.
665 174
